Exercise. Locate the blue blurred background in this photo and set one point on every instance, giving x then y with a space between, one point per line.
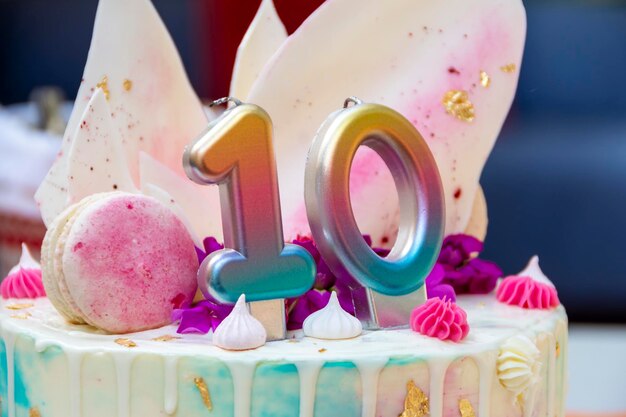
555 183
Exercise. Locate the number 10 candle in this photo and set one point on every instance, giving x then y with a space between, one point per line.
394 285
236 152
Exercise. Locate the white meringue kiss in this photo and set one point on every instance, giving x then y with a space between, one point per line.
26 261
240 331
534 271
332 322
518 364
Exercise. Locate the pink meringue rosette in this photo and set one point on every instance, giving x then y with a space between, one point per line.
24 279
529 289
442 319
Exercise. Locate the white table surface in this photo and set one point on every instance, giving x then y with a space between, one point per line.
597 368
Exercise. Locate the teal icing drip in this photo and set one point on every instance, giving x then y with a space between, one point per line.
217 377
4 405
23 364
338 390
276 389
403 360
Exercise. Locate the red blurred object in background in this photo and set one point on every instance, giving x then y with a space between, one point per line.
223 24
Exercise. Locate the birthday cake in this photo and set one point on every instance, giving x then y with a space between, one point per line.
166 287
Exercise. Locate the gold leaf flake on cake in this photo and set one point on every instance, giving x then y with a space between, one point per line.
322 350
415 403
466 409
204 392
558 349
485 80
125 342
34 412
165 338
19 306
21 316
508 68
458 104
104 85
128 85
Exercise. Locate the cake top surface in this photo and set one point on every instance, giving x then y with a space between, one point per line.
491 322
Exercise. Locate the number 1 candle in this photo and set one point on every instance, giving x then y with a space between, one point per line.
236 152
394 284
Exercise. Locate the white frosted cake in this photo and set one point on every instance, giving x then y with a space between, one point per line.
132 311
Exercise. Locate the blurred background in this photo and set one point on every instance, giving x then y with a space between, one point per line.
555 182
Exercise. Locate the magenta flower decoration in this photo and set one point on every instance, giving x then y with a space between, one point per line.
458 272
206 314
210 245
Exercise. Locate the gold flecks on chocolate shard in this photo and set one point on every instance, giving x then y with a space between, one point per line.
19 306
125 342
34 412
415 403
484 79
165 338
128 84
104 85
204 392
458 104
466 409
558 349
508 68
21 316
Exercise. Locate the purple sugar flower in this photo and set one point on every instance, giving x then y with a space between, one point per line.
457 249
458 272
210 245
201 317
436 287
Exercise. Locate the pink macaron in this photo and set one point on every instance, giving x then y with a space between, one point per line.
127 262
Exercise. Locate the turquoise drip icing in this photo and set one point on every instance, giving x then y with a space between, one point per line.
338 390
219 382
4 405
24 363
276 389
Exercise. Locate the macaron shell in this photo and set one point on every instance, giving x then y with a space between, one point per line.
50 254
59 251
128 261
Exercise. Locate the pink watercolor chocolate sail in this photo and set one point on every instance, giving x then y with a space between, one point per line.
152 105
451 67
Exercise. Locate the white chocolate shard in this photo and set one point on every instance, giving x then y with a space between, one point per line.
134 60
96 159
533 270
332 322
478 221
406 54
240 330
168 201
264 36
199 203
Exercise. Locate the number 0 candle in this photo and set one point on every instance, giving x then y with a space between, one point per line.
236 152
332 221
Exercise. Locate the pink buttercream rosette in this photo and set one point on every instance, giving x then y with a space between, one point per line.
529 288
24 279
23 283
525 292
442 319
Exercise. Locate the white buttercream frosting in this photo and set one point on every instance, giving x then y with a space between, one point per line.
518 364
332 322
534 271
240 331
